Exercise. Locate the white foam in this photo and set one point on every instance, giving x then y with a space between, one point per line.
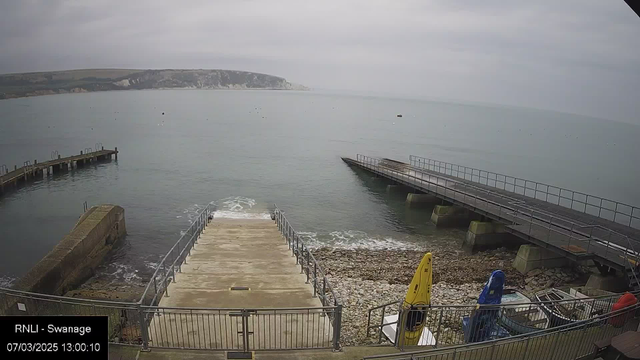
152 265
240 215
6 281
239 207
354 239
124 272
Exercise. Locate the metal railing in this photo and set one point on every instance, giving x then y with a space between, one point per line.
618 212
313 271
308 263
571 341
124 318
172 262
558 231
242 329
445 322
146 325
190 328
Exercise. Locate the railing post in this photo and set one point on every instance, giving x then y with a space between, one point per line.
337 323
400 327
315 278
438 331
143 329
155 285
324 290
308 264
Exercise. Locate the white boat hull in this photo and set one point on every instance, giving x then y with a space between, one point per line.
390 328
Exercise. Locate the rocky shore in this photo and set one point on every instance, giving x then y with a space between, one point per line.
365 278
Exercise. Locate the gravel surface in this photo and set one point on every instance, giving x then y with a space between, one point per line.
365 278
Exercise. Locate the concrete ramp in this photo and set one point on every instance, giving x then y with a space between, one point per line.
234 254
240 288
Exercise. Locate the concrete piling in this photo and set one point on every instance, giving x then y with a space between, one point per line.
421 200
451 216
532 257
488 235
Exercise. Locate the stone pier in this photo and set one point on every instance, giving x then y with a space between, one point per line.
421 200
75 258
451 216
488 235
532 257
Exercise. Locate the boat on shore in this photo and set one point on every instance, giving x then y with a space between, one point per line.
482 324
561 307
524 316
415 305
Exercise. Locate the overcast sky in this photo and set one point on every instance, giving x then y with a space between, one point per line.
579 56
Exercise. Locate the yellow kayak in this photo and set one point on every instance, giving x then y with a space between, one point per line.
418 295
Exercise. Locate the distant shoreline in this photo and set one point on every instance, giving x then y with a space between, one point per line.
14 86
157 89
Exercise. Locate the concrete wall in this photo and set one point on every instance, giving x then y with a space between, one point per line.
75 258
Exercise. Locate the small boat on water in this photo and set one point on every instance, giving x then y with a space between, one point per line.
523 317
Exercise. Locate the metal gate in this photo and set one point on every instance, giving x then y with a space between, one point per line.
242 330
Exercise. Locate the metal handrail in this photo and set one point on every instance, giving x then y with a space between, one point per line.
138 316
64 299
599 298
564 328
437 165
239 309
299 248
373 163
514 201
521 204
574 225
194 230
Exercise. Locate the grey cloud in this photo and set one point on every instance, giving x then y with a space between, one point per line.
577 56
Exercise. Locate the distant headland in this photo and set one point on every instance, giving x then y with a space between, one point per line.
86 80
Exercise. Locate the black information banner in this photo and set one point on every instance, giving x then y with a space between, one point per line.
48 337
